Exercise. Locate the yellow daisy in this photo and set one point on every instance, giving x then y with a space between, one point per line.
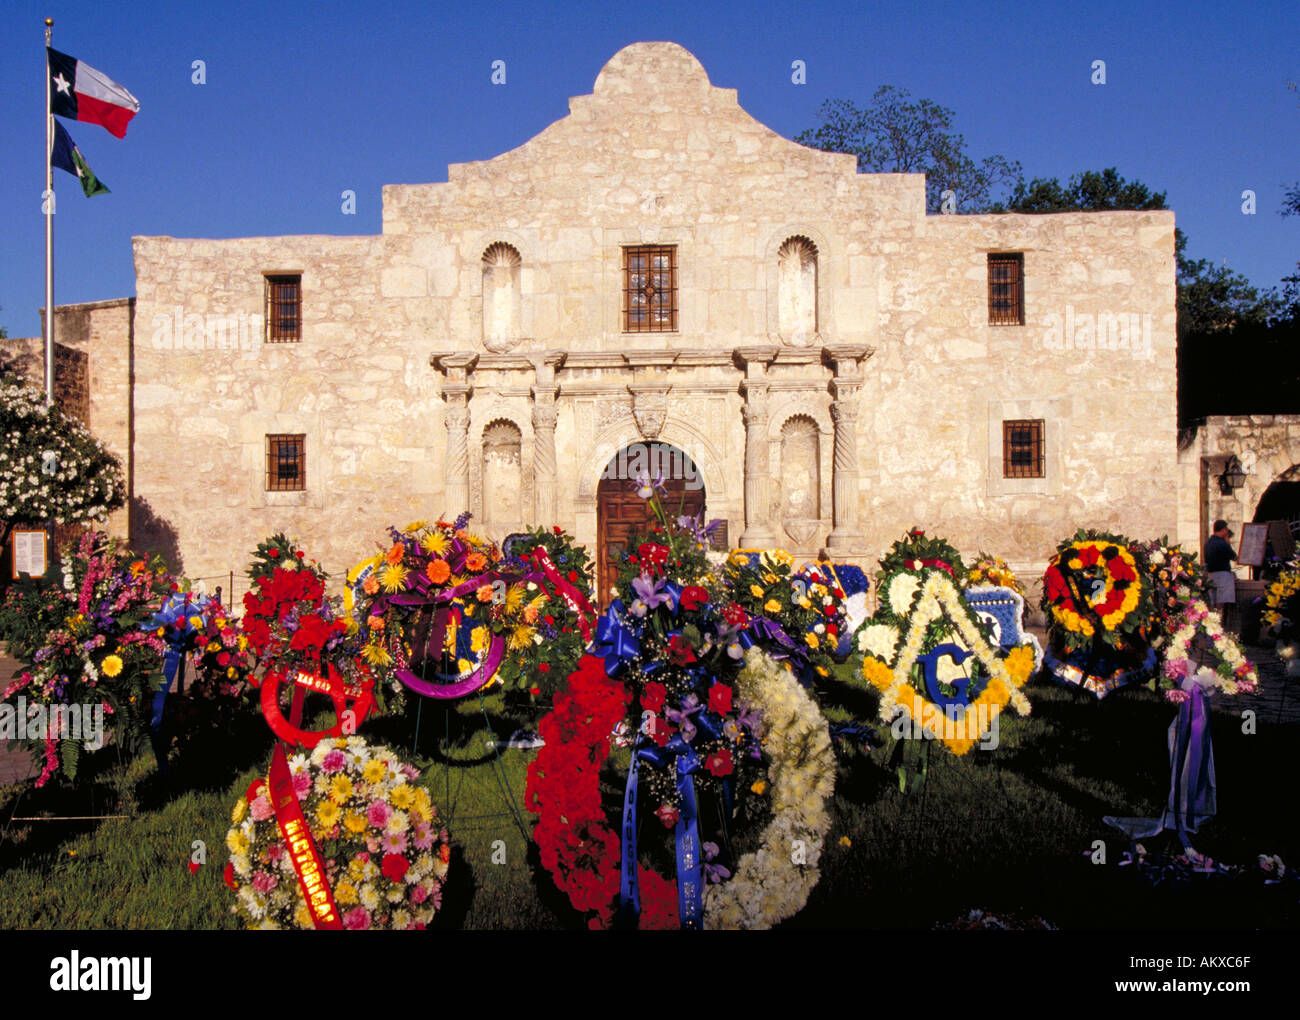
111 666
374 770
415 526
521 637
340 789
402 797
435 542
376 654
327 814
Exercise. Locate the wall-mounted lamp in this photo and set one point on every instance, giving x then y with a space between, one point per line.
1233 477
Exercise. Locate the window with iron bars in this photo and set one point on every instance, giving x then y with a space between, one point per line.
283 309
1022 449
286 463
1006 289
650 289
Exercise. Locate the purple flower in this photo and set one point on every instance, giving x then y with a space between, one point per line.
649 595
714 873
682 717
646 485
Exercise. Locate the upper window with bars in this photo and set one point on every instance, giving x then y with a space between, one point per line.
286 463
283 309
1006 289
1022 449
650 289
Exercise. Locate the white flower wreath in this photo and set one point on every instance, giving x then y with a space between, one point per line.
773 882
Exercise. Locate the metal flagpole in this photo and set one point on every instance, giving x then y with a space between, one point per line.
49 228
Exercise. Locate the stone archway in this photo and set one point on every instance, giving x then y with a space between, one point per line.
1281 500
621 513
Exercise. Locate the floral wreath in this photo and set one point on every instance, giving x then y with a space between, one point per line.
1230 672
918 616
582 852
1094 587
343 838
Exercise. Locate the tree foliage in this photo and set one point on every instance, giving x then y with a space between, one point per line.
895 133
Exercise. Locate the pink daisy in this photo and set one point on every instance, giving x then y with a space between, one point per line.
395 843
422 835
357 919
377 814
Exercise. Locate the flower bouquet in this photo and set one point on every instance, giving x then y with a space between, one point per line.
295 637
564 621
1175 579
1097 595
931 656
1200 652
341 838
989 570
801 612
721 761
443 612
96 658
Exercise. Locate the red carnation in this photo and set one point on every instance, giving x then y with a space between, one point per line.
394 867
693 596
667 814
680 652
543 667
273 553
829 610
254 788
735 615
550 620
228 875
573 575
832 630
719 763
653 696
557 529
720 699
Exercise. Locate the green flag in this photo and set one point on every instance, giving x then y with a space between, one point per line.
66 156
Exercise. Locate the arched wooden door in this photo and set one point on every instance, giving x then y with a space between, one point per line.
621 514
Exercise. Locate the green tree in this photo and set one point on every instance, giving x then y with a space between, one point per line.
1090 191
51 467
897 134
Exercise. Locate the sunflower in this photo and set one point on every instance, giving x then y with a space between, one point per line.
393 577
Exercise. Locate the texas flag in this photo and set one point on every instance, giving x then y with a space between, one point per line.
80 92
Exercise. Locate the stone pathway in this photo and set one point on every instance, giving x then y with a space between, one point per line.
1279 695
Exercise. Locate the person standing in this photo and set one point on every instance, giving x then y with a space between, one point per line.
1218 564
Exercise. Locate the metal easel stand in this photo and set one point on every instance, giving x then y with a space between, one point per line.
496 759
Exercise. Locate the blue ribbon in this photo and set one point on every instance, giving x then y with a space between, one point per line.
689 853
615 642
179 606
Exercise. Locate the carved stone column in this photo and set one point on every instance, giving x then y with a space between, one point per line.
544 418
456 390
758 533
846 385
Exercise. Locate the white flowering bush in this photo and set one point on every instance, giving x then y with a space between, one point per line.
51 466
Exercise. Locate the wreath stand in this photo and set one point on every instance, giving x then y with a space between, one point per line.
495 759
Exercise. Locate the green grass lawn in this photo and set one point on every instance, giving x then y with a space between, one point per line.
1007 830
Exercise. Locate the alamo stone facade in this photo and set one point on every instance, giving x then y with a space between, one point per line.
829 365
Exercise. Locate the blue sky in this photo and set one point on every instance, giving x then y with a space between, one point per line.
305 100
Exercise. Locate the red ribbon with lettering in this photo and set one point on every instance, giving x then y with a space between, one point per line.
306 859
360 699
571 595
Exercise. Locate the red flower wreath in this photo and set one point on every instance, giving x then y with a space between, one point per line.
577 845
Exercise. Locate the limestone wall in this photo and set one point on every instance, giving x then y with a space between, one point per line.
656 154
1267 446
